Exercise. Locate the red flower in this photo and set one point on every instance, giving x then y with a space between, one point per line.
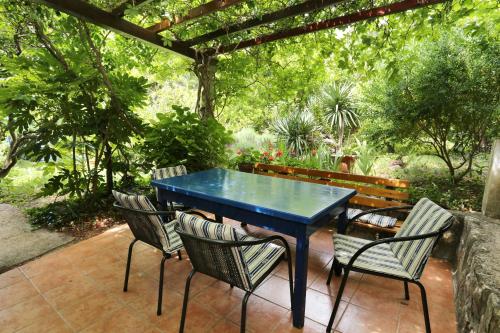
266 153
271 158
279 153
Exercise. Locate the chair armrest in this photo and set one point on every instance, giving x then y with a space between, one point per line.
203 216
396 239
146 212
169 213
227 243
379 210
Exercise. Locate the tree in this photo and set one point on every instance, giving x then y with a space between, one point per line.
446 95
337 106
64 95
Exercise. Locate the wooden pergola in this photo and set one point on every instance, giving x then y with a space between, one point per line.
196 48
116 21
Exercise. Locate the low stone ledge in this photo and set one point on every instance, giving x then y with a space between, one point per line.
477 274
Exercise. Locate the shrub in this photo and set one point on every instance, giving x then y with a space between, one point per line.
366 156
297 130
247 138
66 213
181 137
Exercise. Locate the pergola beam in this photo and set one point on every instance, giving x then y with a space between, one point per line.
299 9
326 24
197 12
105 19
120 9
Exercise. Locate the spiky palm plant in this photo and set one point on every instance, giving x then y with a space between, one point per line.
339 109
297 131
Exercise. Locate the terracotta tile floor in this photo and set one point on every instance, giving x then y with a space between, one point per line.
79 289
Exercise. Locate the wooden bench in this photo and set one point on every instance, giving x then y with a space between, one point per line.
373 192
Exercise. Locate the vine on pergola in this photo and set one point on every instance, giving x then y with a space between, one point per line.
204 30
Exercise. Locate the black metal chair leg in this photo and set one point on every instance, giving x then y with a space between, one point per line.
330 275
425 307
337 268
185 302
337 300
129 259
244 311
179 254
407 291
160 287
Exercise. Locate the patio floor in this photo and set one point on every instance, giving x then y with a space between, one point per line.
79 289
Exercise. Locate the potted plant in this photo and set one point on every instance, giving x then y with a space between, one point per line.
245 159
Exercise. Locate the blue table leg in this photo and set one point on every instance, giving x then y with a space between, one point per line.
299 304
342 222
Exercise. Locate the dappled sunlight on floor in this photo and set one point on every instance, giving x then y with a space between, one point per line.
79 289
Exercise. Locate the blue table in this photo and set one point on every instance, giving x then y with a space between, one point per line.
290 207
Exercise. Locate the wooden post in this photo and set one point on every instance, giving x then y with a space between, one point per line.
491 197
205 68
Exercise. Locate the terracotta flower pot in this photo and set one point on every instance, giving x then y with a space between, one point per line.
246 167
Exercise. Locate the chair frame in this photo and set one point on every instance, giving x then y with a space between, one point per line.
171 215
337 267
232 244
378 210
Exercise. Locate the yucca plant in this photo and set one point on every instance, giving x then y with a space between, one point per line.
296 130
366 157
336 101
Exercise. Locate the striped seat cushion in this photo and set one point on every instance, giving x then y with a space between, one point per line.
375 219
168 172
259 258
379 258
425 217
169 239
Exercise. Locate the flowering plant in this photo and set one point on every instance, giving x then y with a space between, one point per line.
245 156
270 155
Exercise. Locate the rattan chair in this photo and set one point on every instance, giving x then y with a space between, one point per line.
402 257
221 252
148 226
168 172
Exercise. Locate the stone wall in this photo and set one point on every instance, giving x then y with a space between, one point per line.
477 274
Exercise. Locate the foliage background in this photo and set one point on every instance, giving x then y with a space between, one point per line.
255 88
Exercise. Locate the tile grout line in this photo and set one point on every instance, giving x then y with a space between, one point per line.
46 301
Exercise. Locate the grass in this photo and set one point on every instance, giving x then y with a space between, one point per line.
24 183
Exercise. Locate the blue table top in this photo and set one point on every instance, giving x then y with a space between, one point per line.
288 199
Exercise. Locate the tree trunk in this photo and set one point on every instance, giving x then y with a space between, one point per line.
204 69
109 168
8 164
341 137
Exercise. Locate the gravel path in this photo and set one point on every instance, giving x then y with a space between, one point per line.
19 243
